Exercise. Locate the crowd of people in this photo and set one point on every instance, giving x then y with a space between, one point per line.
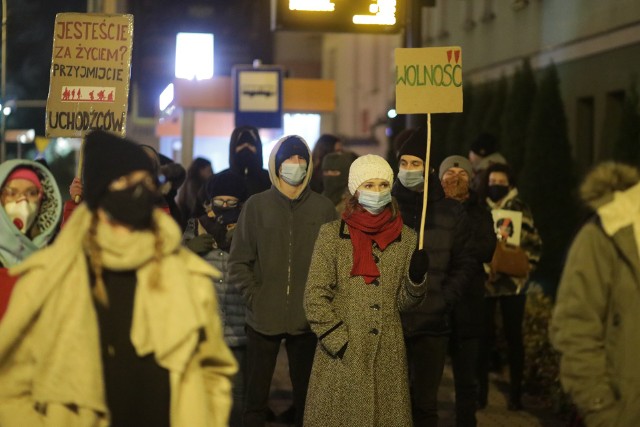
159 296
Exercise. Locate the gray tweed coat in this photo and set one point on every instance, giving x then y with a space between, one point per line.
367 385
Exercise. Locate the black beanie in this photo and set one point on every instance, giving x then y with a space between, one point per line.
107 157
226 183
415 145
291 146
484 145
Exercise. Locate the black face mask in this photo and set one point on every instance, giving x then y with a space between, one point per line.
218 226
334 188
497 192
132 206
246 159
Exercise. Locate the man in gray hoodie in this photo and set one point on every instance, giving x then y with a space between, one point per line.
269 261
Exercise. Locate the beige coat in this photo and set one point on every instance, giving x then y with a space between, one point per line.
595 324
50 362
368 386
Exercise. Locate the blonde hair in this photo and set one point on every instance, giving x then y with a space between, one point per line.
95 261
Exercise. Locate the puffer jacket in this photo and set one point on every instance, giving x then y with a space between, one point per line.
595 321
451 263
230 301
483 244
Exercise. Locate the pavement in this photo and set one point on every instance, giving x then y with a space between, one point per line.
536 413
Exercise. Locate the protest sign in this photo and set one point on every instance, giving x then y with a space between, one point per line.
508 225
428 80
89 77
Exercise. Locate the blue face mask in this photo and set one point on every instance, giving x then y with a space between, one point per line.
293 173
374 201
411 178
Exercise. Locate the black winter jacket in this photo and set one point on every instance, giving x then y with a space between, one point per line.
470 307
451 263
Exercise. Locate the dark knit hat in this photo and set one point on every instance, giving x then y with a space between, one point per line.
107 157
415 145
485 144
226 183
289 147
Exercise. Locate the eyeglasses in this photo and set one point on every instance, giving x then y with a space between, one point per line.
11 194
221 203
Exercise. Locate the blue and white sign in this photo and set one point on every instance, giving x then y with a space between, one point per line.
258 97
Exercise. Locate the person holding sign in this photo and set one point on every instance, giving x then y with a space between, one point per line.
365 270
427 328
508 290
115 323
29 215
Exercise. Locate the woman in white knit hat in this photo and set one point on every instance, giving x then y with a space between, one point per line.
365 270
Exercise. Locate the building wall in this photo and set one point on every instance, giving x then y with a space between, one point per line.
595 45
363 67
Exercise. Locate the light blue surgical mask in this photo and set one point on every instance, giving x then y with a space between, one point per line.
293 173
411 178
374 201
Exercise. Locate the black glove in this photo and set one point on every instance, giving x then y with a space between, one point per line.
201 244
419 265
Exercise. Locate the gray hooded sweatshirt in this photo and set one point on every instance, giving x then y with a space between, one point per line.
271 252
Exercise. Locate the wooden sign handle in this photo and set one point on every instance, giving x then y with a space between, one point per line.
77 199
425 194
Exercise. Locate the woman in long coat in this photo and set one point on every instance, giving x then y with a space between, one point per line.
365 269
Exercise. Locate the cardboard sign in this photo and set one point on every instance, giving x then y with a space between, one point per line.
89 77
428 80
508 225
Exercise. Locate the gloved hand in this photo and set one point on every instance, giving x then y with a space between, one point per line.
418 266
201 244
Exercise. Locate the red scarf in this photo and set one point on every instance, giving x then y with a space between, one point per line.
365 229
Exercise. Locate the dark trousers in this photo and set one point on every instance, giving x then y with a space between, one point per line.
426 356
464 360
262 351
239 382
512 308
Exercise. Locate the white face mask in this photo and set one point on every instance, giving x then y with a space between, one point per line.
411 178
293 173
22 214
374 201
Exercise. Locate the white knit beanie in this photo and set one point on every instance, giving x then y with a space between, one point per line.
368 167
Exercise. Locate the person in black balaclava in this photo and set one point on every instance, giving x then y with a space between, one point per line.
335 177
245 159
210 237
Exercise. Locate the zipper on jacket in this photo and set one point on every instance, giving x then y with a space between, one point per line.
290 254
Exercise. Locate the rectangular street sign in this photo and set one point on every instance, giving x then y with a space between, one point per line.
258 96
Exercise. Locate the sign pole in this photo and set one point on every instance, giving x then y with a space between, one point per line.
425 193
79 169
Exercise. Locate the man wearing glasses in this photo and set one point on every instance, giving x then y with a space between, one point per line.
31 208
